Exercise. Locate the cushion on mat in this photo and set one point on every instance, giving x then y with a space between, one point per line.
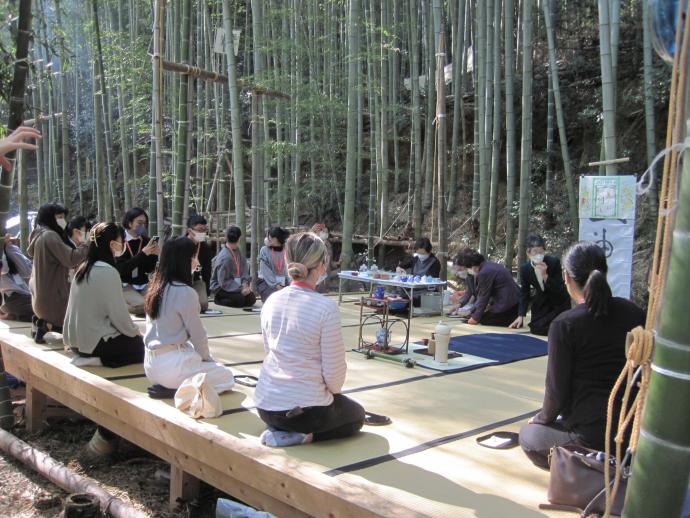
501 347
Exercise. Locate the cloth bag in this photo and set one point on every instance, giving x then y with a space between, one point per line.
577 480
197 398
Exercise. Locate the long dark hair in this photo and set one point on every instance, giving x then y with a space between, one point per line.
585 263
100 237
175 265
46 217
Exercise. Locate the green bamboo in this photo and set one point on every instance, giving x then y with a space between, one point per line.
607 87
482 180
297 129
488 93
64 128
526 145
416 134
429 139
40 169
441 145
77 109
458 71
235 122
659 482
497 129
383 116
178 227
156 200
104 210
123 120
508 17
352 21
560 119
648 71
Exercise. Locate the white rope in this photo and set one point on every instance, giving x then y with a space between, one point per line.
649 176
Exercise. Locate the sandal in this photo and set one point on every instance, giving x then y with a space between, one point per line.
376 419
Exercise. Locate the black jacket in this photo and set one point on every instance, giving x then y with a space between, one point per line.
553 296
206 253
134 265
429 267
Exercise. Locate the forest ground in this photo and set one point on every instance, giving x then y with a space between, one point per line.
132 475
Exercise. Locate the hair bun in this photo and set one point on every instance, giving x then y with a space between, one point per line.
297 271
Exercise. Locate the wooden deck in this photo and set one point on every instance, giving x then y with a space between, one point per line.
427 463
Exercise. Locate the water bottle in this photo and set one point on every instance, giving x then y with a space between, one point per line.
382 337
442 334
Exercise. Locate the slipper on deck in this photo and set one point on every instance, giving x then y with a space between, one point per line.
376 419
246 380
160 392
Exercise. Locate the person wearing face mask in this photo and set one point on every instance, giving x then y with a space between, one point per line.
272 265
425 263
76 231
97 324
299 393
196 231
15 273
230 278
463 301
497 293
321 230
542 287
52 261
138 260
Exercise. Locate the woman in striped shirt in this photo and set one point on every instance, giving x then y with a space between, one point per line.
299 390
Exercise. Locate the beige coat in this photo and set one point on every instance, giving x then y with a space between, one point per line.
49 283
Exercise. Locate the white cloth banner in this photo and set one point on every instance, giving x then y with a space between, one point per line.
617 238
607 217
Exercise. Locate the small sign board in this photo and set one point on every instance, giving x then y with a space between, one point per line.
219 41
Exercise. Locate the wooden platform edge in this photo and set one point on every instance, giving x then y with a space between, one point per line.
259 476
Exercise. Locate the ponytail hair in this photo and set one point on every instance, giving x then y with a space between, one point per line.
586 265
304 252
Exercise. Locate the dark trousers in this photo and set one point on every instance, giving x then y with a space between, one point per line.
234 299
342 418
16 306
264 290
503 319
537 440
542 318
119 351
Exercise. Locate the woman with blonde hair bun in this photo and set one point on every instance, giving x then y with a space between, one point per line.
299 390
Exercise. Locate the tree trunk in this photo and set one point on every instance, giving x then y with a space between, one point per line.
104 211
497 128
352 21
553 68
526 146
441 146
156 203
457 145
508 11
416 136
66 190
648 71
429 140
607 87
182 125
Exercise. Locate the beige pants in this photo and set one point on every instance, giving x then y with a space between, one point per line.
134 299
200 287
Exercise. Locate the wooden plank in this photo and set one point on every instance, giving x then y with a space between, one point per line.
36 404
198 447
183 487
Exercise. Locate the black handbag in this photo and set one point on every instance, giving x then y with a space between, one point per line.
577 480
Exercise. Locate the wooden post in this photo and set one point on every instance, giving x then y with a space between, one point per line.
36 403
183 486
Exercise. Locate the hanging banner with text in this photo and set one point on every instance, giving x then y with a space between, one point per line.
607 217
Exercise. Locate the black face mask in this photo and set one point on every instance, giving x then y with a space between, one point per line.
278 248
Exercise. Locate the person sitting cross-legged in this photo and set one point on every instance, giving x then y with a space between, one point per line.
230 278
586 355
299 393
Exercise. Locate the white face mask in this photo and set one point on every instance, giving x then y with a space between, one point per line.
539 258
62 223
422 257
267 242
470 271
199 237
461 274
323 235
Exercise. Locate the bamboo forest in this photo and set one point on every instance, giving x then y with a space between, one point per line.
491 131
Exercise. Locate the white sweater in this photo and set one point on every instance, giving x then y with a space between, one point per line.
305 355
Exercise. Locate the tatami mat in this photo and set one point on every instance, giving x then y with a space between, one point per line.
427 458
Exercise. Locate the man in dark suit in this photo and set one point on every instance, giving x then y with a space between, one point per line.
542 287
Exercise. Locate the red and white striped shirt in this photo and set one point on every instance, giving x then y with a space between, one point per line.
305 354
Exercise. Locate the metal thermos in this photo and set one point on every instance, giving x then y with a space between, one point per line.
442 333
